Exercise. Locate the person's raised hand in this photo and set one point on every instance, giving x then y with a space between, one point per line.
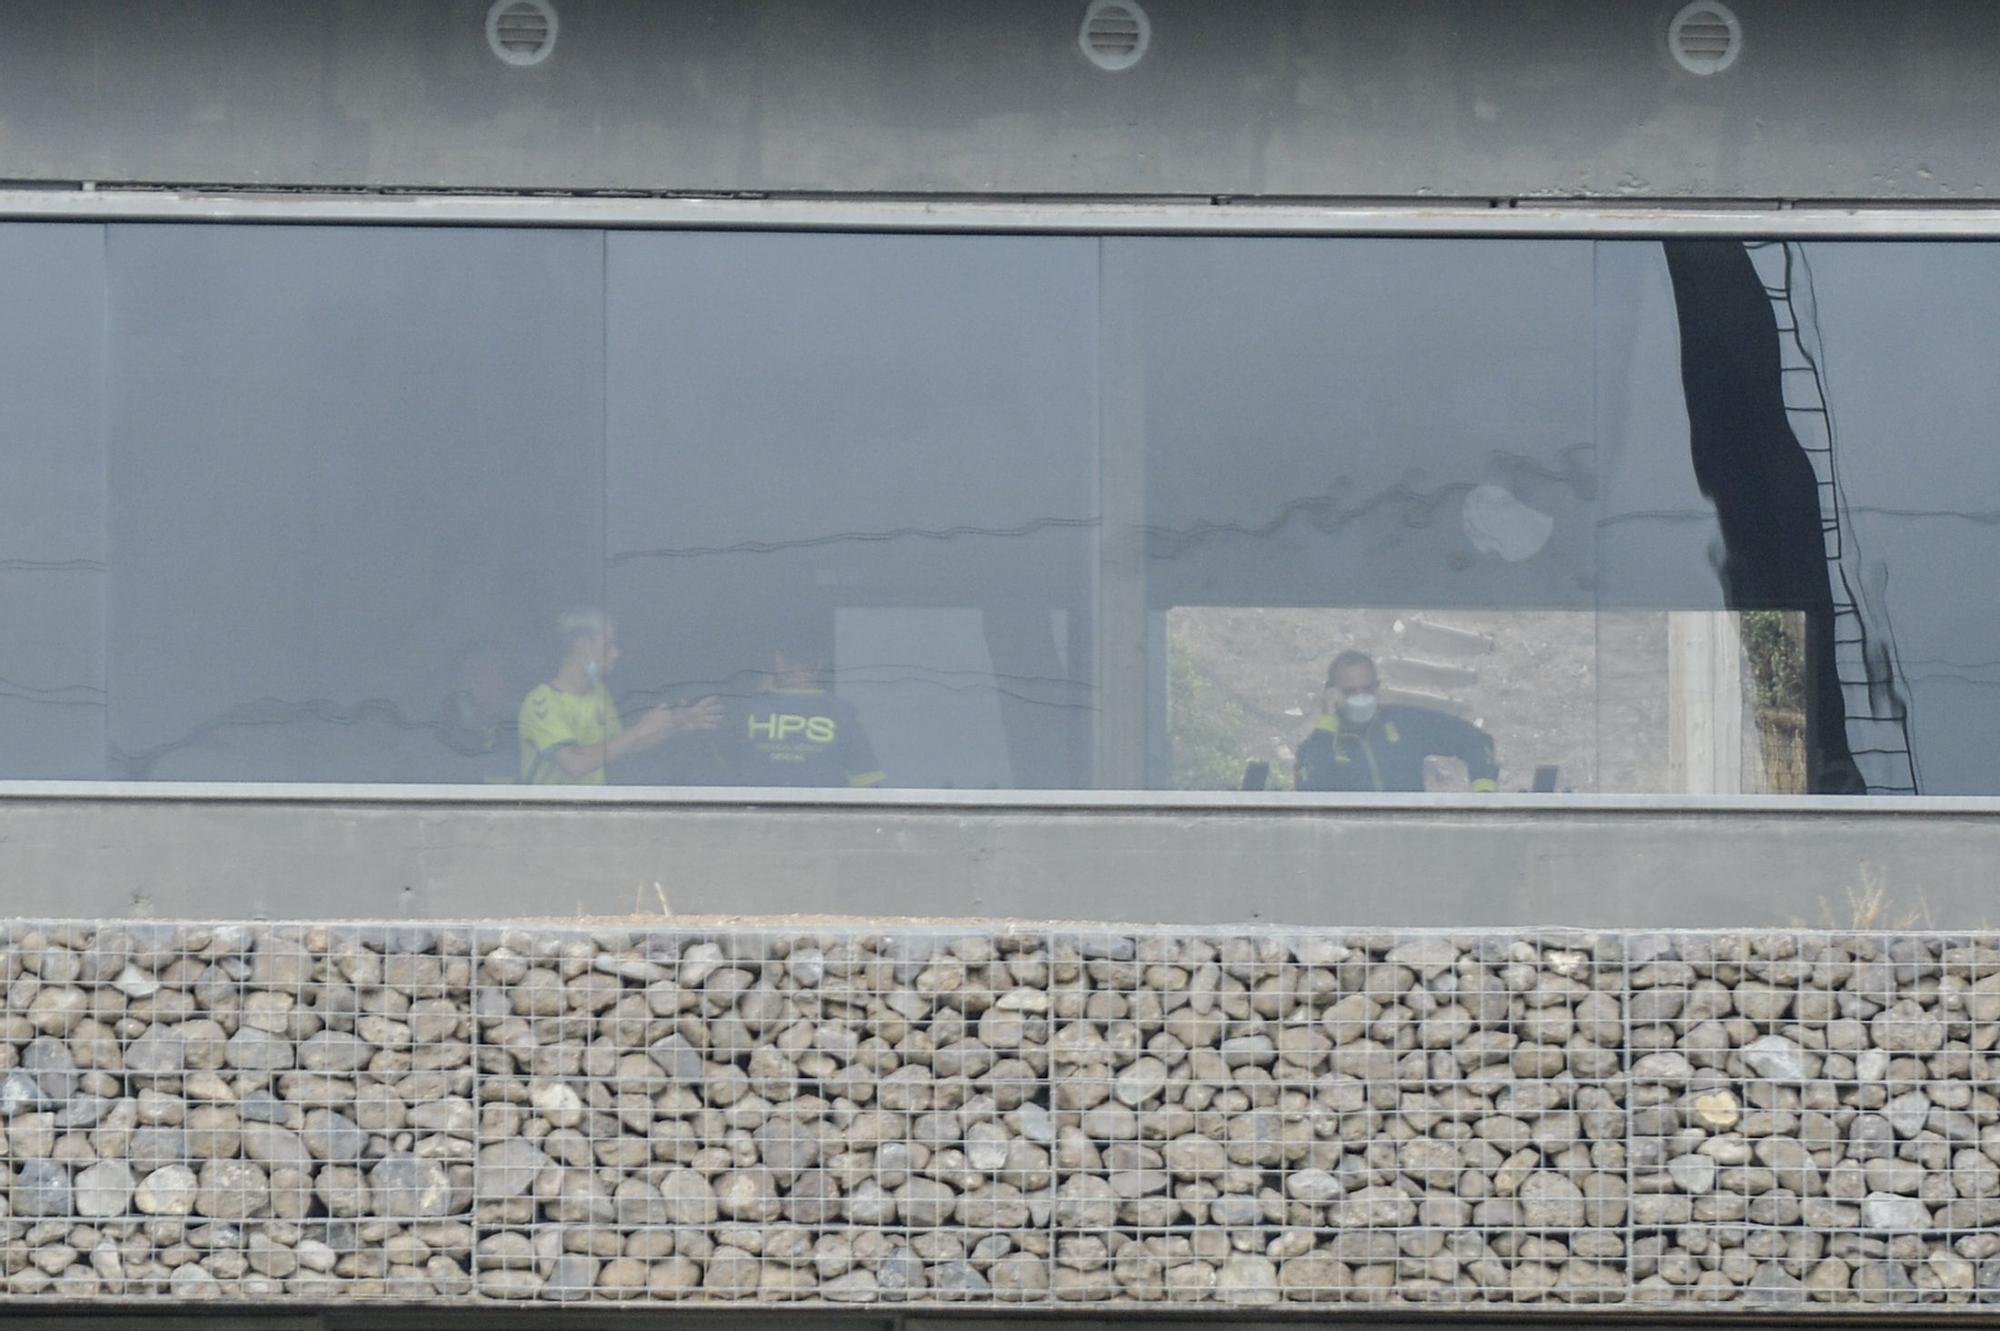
656 724
703 714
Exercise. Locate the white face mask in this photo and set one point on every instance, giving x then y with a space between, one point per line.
592 672
1358 708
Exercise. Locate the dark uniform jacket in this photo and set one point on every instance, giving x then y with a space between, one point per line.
1388 753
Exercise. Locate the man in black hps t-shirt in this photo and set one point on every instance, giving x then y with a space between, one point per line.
794 732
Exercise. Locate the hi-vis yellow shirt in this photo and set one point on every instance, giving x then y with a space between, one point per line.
551 718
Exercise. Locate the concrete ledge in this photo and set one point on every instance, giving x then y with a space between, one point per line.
1416 861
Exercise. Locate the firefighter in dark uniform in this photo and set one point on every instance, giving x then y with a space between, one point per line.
1361 744
794 732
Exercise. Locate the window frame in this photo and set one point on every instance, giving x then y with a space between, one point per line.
1094 217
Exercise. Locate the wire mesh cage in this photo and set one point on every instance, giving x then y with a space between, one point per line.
1002 1115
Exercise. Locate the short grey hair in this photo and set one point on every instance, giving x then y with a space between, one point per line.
583 621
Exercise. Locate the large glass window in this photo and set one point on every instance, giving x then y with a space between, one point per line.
387 504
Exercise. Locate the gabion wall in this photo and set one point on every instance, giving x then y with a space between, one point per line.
996 1116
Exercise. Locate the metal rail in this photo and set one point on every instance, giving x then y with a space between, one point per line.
1092 216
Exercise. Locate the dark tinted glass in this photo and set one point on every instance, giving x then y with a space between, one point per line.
54 556
381 504
350 470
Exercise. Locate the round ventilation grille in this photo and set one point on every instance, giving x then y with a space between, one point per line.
521 32
1115 34
1705 38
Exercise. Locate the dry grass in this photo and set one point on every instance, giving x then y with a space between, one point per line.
1871 907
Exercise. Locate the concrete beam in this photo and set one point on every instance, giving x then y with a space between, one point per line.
1443 861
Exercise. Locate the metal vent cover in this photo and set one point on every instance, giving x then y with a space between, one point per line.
1115 34
522 32
1705 37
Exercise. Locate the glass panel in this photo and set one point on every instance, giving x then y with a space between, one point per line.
1385 447
1897 343
52 542
1484 431
356 474
870 456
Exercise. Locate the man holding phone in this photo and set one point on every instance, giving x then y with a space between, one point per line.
1360 743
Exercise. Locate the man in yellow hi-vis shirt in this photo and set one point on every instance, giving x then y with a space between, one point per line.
570 728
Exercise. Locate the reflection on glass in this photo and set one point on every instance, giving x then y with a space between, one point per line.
310 504
1626 702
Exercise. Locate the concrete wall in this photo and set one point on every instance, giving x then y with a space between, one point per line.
984 1118
1840 99
1426 861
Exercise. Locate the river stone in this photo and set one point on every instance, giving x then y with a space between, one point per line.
679 1062
252 1050
1435 1164
1906 1112
170 1190
40 1188
1762 1002
1374 1208
987 1146
1428 955
959 1280
510 1285
408 1187
262 1107
152 1147
158 1052
1717 1110
1886 1210
1870 1136
1907 1028
49 1062
1669 1069
787 1146
280 963
332 1135
1313 1186
1774 1058
571 1278
103 1190
135 983
1551 1201
343 1190
1019 1278
275 1147
232 1190
1884 1282
1247 1280
507 1169
746 1194
731 1273
1145 1080
335 1051
558 1103
853 1287
1086 1202
20 1094
689 1197
1692 1173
